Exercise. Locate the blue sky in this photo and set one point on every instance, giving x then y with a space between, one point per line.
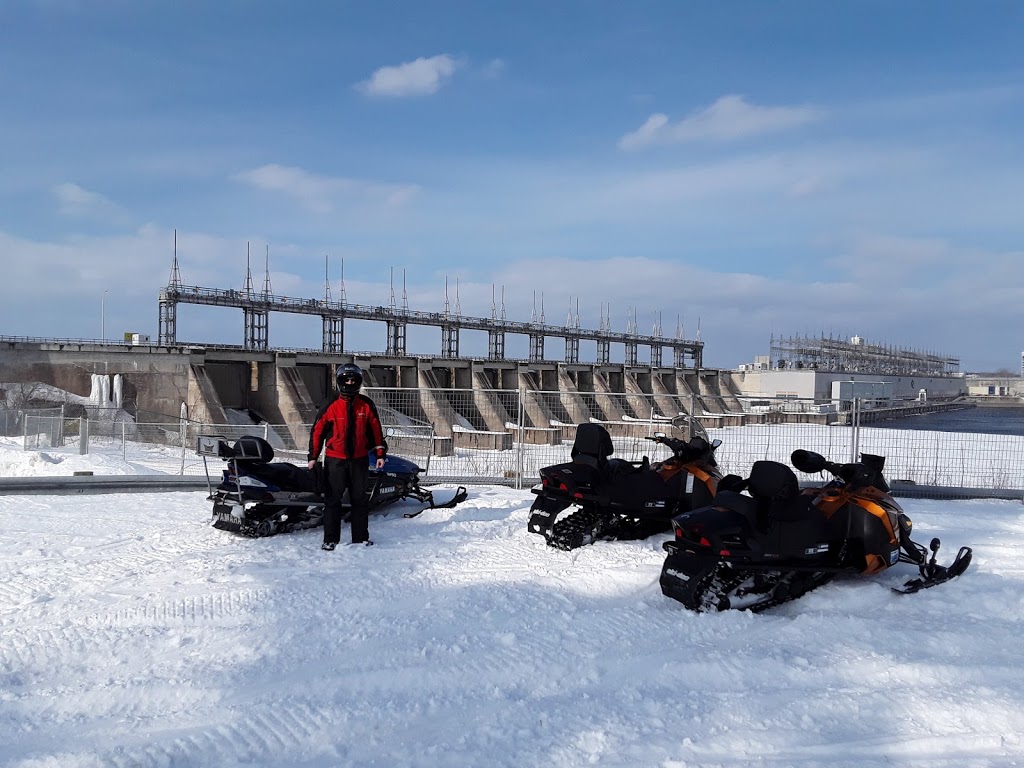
789 167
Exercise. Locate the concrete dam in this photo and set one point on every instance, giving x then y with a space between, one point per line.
485 403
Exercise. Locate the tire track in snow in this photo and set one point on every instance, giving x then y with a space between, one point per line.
44 648
271 734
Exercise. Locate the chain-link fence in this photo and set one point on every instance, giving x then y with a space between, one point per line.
10 422
506 436
43 428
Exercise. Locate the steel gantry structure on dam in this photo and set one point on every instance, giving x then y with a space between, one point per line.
858 356
257 306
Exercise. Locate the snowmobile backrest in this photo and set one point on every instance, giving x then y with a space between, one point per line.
772 481
593 441
252 448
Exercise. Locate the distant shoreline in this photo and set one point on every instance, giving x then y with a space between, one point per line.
994 402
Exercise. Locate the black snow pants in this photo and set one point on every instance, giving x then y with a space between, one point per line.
352 475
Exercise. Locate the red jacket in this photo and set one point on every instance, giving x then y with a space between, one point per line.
350 428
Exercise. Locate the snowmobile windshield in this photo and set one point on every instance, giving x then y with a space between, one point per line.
686 427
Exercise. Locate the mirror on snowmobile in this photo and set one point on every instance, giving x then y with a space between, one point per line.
660 435
808 461
715 443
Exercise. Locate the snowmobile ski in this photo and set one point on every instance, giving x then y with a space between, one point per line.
461 494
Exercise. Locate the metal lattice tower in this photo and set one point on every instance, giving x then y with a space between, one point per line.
167 320
495 334
449 329
537 339
333 339
572 339
855 355
604 346
397 326
656 348
631 330
256 318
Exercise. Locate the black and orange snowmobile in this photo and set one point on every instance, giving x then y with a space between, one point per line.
617 499
774 543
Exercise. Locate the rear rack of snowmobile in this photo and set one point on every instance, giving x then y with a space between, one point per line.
212 445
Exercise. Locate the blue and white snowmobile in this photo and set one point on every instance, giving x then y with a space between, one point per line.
257 496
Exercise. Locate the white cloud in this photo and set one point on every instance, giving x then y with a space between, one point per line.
322 194
916 261
422 76
730 118
73 200
495 68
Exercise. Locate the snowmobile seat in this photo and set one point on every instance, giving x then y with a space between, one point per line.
772 481
287 477
586 458
777 491
593 445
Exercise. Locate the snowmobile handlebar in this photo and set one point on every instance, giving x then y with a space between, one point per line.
860 473
686 450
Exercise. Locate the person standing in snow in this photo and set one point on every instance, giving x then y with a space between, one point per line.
347 429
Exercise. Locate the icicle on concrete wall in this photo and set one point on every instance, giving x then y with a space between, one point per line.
99 394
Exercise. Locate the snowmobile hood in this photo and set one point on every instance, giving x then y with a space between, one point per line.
397 465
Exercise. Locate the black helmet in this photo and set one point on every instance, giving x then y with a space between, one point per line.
350 379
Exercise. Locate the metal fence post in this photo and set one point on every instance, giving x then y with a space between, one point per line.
520 458
183 431
83 435
124 441
855 428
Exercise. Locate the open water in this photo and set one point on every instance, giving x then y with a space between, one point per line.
996 421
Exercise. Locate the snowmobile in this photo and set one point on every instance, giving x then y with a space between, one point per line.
756 551
618 499
257 496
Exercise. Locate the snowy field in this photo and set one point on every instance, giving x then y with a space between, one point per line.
134 634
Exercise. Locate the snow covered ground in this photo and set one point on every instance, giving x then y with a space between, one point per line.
134 634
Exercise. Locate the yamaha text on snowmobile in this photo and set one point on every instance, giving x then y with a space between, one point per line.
258 496
777 543
618 499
